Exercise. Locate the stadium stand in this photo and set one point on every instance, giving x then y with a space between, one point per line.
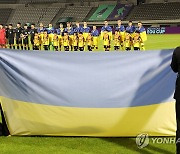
155 11
35 15
77 12
4 15
8 2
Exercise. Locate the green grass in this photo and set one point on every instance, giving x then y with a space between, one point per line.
154 42
85 145
80 145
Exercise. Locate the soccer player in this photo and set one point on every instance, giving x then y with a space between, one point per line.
81 41
121 29
55 41
95 35
2 36
36 41
70 32
117 40
128 41
75 42
78 29
11 36
143 34
130 28
89 42
25 37
60 32
40 31
45 40
50 30
106 40
18 32
106 28
32 34
137 41
66 40
85 30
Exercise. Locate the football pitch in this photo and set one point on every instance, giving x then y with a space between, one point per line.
94 145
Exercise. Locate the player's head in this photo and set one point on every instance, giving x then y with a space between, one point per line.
68 24
130 23
10 26
119 22
36 34
1 26
77 23
137 33
127 35
25 26
94 27
50 25
116 32
45 33
80 34
18 25
65 34
85 24
139 24
106 23
75 34
61 25
6 26
41 24
55 33
32 26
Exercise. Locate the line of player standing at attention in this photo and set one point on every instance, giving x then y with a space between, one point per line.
73 38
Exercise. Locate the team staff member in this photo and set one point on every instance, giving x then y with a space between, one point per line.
143 34
25 37
18 32
175 65
10 36
95 35
32 34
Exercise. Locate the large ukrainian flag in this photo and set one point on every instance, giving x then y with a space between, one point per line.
87 94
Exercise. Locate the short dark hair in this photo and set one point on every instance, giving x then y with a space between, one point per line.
130 21
33 24
19 23
139 22
10 24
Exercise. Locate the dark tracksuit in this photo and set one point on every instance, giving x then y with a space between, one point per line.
175 65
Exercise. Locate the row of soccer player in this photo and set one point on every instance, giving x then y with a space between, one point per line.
74 38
